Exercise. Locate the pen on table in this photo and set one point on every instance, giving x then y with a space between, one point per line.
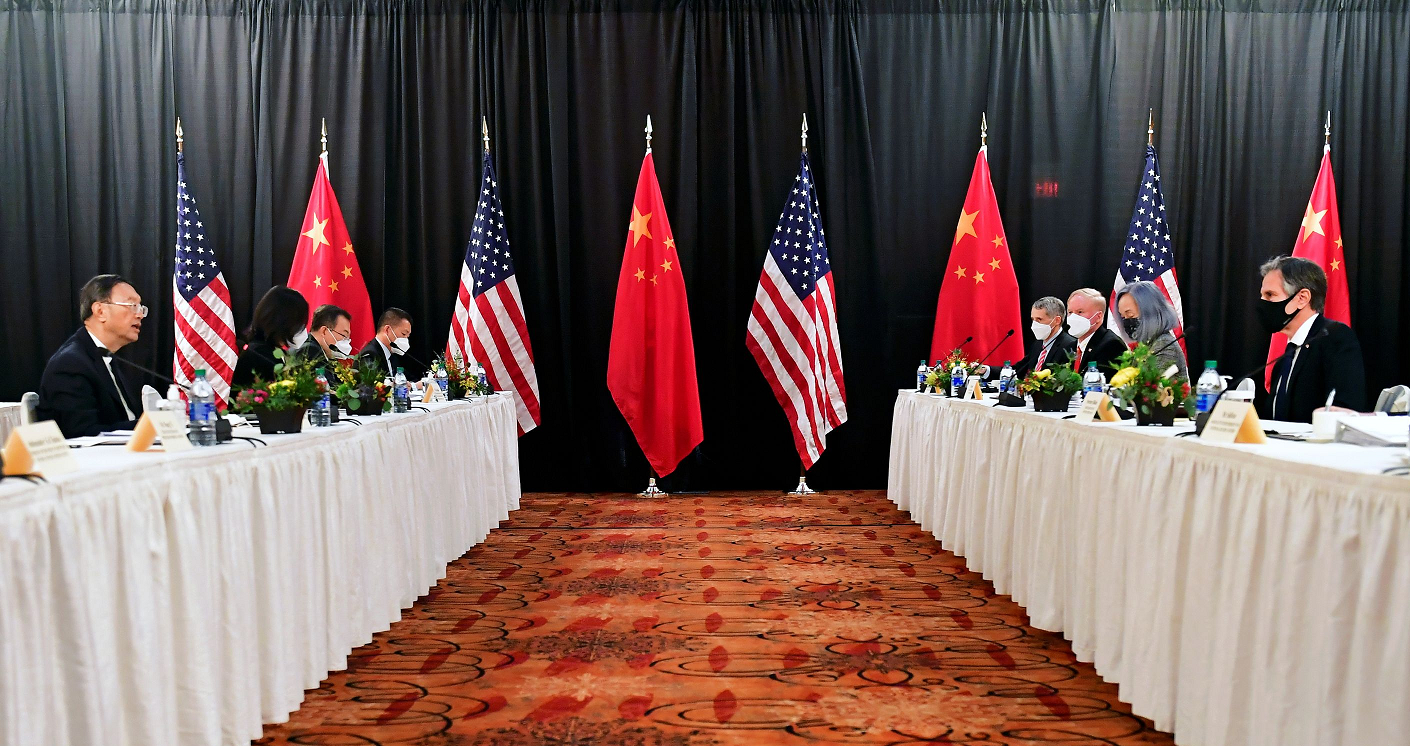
1331 395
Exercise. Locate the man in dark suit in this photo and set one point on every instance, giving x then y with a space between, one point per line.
1051 345
81 389
329 340
392 338
1322 355
1086 321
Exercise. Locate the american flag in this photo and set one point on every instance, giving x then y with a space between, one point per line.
1148 254
793 325
488 325
205 325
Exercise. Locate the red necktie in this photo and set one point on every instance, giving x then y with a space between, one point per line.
1077 361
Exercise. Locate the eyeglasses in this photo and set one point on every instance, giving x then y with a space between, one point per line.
137 308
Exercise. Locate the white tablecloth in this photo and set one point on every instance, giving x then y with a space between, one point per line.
9 419
1239 595
186 599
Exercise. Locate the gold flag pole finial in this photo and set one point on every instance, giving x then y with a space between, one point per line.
984 129
1327 132
805 132
485 132
1150 127
180 137
648 133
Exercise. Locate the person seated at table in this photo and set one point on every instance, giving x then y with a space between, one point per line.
1148 318
1322 355
393 338
81 389
1086 320
331 338
1051 345
278 324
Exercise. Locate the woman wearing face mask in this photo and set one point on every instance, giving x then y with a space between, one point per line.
1147 317
278 324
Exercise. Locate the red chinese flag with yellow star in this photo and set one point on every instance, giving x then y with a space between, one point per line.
979 295
651 363
1319 239
325 266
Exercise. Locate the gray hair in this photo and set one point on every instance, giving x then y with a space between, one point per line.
1156 315
1089 293
1052 306
1299 273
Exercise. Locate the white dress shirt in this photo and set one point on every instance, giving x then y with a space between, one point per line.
108 361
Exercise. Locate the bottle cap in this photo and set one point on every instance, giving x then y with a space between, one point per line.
1007 363
200 372
400 369
1209 364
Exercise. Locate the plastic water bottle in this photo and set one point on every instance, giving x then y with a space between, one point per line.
442 377
401 393
483 379
202 409
1208 389
323 406
921 373
1093 382
1006 377
957 381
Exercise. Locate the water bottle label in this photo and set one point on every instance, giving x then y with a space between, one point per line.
201 411
1205 402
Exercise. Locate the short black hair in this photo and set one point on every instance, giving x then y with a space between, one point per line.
1299 273
97 290
280 314
328 315
391 316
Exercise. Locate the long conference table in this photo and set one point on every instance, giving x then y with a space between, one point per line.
1240 595
153 599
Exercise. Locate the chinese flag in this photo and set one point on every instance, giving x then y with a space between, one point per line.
1319 239
979 295
325 267
651 363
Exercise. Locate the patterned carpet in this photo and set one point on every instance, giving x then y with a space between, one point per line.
741 618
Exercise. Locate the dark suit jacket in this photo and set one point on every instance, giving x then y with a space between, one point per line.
257 359
1327 361
77 392
312 350
1065 346
372 354
1103 348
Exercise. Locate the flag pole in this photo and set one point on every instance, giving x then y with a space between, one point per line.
803 488
651 489
485 132
1150 127
180 137
323 146
1327 134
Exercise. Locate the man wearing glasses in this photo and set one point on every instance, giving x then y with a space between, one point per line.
81 389
331 339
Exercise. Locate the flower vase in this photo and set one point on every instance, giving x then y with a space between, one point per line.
274 421
1044 402
1158 415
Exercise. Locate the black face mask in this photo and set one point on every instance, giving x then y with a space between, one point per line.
1273 316
1131 326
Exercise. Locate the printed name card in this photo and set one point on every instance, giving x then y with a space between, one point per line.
167 425
1097 407
39 448
1233 422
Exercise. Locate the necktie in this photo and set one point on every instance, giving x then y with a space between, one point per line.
1280 383
1077 360
108 363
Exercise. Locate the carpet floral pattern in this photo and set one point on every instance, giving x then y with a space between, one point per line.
739 618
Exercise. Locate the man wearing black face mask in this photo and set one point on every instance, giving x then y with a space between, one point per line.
1322 354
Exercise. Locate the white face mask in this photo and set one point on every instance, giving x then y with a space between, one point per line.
1078 325
343 346
1042 331
299 338
400 345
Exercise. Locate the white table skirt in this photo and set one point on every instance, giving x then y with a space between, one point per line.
186 599
1237 596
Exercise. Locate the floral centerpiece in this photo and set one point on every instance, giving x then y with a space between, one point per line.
939 377
281 402
1051 388
460 377
1155 393
362 388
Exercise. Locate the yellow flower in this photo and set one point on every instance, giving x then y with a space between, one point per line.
282 385
1044 373
1123 377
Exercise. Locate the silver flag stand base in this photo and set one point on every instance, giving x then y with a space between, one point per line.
652 490
803 488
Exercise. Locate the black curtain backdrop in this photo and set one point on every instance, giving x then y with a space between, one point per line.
893 92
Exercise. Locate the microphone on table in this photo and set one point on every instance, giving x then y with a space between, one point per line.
966 341
996 347
222 425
